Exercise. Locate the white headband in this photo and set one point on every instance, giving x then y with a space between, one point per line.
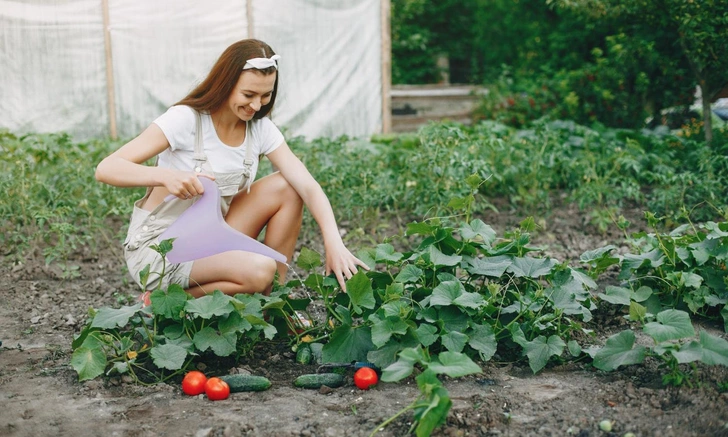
262 63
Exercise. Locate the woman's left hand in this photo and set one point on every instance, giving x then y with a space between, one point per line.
342 264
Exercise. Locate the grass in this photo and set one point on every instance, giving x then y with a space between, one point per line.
51 205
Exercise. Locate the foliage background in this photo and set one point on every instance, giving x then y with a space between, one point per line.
606 61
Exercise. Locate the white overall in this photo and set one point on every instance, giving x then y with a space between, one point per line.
146 226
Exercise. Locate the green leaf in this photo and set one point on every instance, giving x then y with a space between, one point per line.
396 308
215 304
440 259
433 414
460 202
703 250
454 365
144 276
477 230
474 181
470 300
540 350
382 330
642 294
359 290
715 349
494 266
409 273
367 256
345 314
234 323
452 319
386 252
168 356
88 362
583 278
688 353
637 312
397 371
164 247
531 267
685 279
183 342
110 318
592 256
308 259
482 339
415 228
517 335
119 367
670 325
170 303
387 354
574 348
222 344
652 259
620 350
616 295
446 292
454 341
348 344
251 304
427 334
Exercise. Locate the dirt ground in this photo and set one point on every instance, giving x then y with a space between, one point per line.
40 394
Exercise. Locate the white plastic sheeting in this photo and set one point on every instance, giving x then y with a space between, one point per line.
54 56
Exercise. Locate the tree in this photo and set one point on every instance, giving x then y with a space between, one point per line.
697 31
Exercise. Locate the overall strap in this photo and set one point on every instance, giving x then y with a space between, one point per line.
248 161
199 155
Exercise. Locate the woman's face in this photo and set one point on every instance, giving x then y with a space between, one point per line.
253 90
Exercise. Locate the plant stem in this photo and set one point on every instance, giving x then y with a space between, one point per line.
391 419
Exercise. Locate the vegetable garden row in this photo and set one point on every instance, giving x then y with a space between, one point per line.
446 293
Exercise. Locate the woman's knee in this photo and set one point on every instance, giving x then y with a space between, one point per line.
259 273
285 190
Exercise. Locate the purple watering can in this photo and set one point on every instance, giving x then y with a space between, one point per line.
201 231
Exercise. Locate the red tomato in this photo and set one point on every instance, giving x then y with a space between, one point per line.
216 389
193 383
365 378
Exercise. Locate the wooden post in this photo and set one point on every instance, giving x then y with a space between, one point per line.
249 17
386 16
109 70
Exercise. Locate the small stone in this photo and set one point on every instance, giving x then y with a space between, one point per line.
95 384
243 371
203 432
325 390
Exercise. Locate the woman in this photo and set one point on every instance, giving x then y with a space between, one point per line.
231 106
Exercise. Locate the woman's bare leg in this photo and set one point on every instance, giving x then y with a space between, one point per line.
272 201
232 273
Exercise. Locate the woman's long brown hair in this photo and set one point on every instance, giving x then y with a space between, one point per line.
212 93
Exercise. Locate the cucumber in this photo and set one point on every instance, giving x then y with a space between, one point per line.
304 354
239 383
316 380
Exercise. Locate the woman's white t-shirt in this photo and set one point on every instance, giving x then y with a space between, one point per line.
178 124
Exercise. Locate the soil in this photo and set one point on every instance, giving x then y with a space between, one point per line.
40 395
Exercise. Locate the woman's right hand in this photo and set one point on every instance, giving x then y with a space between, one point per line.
184 184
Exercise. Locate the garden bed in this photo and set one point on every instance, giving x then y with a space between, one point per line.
41 394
